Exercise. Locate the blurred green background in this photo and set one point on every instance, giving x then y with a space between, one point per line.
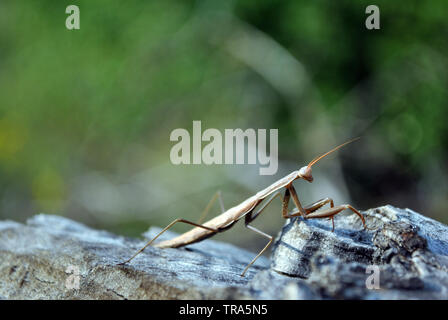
85 115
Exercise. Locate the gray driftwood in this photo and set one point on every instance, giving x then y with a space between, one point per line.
48 257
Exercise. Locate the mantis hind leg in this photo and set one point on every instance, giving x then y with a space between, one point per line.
165 229
204 213
217 195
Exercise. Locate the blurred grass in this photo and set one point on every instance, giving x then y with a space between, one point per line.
85 116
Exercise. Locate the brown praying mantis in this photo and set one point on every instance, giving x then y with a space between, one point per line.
247 210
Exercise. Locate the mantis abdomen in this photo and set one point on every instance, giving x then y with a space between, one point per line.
219 223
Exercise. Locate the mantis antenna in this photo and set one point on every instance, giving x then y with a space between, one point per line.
312 162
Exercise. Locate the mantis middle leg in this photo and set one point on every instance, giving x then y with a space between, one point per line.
251 217
312 213
330 213
285 201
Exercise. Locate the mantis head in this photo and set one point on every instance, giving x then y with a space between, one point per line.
306 172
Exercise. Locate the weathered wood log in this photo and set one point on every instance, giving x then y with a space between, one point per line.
52 257
408 251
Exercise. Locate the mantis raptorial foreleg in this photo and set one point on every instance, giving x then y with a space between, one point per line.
299 209
249 218
165 229
285 204
296 200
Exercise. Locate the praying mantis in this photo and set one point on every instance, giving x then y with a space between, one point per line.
247 210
